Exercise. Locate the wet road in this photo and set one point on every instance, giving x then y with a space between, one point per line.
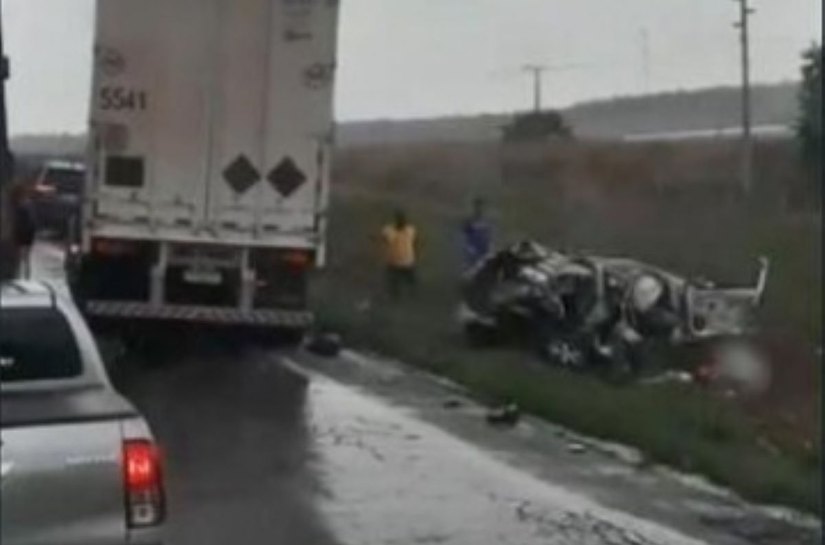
271 446
236 444
268 446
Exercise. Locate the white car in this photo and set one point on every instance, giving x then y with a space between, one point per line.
79 463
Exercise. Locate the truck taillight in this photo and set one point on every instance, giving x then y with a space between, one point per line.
143 484
111 247
297 259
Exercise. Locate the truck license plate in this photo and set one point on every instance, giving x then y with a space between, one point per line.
210 277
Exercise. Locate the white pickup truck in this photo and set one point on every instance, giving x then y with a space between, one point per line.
210 141
79 464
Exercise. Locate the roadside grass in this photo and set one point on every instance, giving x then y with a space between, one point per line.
681 426
674 425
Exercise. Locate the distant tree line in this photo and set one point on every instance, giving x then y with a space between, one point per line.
536 127
809 128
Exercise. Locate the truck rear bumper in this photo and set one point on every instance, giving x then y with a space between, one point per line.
202 314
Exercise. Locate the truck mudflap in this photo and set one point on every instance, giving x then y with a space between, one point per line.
203 314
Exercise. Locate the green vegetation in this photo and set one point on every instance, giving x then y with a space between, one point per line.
537 126
612 200
810 106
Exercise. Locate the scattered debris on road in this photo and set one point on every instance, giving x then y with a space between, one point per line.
508 415
669 377
452 404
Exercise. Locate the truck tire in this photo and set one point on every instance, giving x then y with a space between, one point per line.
271 338
291 336
72 272
327 345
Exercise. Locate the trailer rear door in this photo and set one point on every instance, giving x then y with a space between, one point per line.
213 116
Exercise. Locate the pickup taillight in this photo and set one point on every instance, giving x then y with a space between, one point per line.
143 484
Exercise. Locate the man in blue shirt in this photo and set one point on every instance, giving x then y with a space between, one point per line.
477 235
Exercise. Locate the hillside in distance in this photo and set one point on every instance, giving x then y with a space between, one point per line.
707 109
49 145
679 111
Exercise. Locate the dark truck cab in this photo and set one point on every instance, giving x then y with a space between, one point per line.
58 197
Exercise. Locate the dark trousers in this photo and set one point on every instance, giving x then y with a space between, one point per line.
400 281
24 262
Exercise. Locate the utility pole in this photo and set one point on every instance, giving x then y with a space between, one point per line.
745 12
537 70
644 37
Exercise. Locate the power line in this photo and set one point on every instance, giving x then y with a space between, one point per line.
644 38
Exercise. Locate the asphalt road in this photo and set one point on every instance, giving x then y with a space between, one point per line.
267 446
236 443
275 446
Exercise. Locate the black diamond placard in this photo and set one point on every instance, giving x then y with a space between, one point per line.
286 177
241 175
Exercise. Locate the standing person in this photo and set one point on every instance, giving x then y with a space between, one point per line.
24 231
400 245
476 234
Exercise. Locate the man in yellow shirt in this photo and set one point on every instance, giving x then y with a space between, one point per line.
400 247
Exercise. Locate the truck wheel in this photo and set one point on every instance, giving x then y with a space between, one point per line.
292 337
273 337
327 345
75 290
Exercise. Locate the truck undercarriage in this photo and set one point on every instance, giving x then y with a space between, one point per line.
217 284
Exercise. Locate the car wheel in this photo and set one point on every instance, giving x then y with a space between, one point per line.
565 352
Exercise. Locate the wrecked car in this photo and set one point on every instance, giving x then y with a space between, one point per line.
586 311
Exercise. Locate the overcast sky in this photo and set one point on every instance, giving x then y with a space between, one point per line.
413 58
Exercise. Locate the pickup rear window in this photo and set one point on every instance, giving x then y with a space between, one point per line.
36 344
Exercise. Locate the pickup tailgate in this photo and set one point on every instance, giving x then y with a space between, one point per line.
61 469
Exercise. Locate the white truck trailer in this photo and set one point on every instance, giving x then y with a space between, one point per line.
210 140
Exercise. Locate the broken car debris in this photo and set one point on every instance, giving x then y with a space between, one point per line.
507 415
587 311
